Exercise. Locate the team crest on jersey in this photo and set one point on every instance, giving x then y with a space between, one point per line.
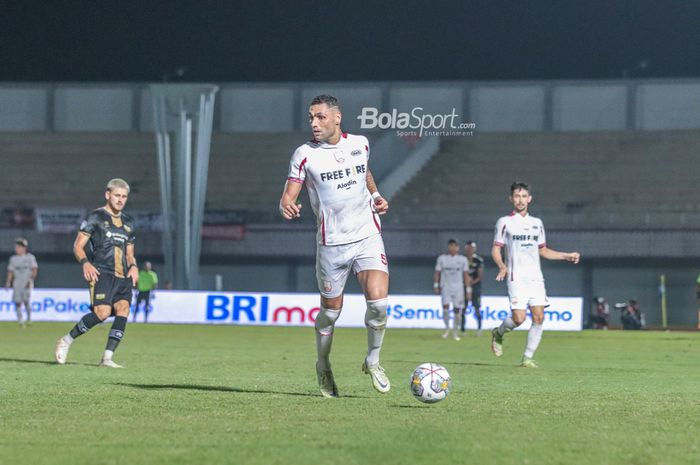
106 224
338 157
356 153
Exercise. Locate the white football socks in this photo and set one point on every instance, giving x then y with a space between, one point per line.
457 321
446 317
534 336
325 323
507 326
375 321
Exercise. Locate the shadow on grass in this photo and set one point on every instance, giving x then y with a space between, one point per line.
448 363
199 387
480 364
411 406
42 362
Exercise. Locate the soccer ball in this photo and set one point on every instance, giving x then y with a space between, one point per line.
430 383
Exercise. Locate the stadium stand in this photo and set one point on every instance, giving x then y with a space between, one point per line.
246 171
70 169
591 174
592 178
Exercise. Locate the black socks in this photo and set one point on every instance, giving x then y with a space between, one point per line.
84 325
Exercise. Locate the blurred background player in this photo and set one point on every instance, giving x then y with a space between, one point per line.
148 281
450 281
523 238
476 272
344 198
21 273
111 272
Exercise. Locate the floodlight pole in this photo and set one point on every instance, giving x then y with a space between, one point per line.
176 107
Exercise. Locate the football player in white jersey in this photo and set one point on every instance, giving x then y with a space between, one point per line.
345 201
523 238
450 281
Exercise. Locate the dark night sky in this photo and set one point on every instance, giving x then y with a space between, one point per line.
351 40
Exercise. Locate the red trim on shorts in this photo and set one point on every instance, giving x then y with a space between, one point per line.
296 180
542 246
374 218
379 228
323 230
498 244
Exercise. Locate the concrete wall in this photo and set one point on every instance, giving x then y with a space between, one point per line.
93 109
280 107
508 108
24 108
585 107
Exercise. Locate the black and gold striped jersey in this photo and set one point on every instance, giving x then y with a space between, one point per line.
109 237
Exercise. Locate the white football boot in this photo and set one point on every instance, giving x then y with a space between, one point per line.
109 363
380 382
61 352
326 382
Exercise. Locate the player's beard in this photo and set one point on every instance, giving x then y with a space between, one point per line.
115 207
324 135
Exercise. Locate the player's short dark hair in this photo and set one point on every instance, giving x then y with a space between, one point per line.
470 243
329 100
518 185
452 241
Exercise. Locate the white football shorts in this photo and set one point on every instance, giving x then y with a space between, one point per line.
523 294
334 262
454 296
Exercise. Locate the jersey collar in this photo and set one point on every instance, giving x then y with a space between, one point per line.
110 213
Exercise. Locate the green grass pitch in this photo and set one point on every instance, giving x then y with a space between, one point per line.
247 395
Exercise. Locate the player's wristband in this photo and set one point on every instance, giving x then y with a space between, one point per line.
376 195
130 267
436 285
84 261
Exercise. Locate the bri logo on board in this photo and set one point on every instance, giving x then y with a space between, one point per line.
246 308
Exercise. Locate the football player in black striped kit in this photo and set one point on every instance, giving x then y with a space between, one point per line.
110 269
